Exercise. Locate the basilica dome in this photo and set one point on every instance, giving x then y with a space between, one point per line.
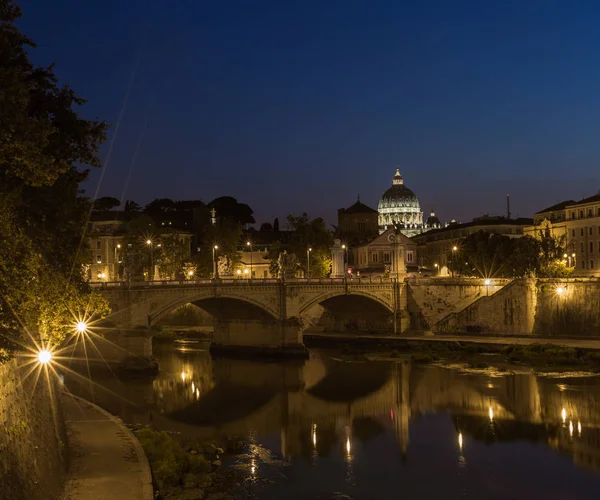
400 207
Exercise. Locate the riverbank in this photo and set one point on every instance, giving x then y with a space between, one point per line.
107 461
539 354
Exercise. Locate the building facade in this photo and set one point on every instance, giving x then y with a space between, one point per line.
577 225
358 222
435 247
107 240
375 258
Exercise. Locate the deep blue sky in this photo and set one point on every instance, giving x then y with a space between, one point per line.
295 106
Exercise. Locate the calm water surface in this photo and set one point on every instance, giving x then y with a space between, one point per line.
327 428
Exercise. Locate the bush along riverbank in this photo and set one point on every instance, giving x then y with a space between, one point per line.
185 470
540 357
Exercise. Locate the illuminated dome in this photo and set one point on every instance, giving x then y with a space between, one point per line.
400 207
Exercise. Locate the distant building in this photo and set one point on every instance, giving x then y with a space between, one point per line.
400 207
357 222
254 264
106 236
375 257
434 247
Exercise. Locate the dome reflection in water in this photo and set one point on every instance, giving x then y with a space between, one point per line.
376 430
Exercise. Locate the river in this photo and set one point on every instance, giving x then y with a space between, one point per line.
332 428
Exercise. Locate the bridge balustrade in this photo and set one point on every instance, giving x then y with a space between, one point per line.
240 281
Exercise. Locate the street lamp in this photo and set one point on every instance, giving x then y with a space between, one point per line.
249 245
308 263
246 273
346 263
437 268
151 273
454 249
487 283
216 247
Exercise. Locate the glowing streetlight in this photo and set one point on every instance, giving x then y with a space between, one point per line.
151 273
308 262
454 249
215 248
437 268
563 414
314 435
249 245
238 272
81 327
348 446
245 273
460 440
190 273
44 356
148 242
491 413
560 290
487 284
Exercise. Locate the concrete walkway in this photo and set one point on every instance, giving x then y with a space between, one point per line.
593 343
107 461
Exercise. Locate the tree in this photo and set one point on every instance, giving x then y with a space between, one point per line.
43 216
173 252
228 207
276 225
311 234
106 203
132 206
160 206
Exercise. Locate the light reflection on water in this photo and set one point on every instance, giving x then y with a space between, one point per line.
325 428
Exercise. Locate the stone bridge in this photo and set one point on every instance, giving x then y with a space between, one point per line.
263 313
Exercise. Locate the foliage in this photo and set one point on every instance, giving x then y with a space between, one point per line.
484 254
42 215
226 234
228 207
171 256
169 462
311 234
106 203
132 206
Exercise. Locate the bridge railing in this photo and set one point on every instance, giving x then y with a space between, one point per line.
239 281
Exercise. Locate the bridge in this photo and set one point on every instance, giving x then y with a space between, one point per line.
267 313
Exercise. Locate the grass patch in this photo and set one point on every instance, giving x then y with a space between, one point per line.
174 467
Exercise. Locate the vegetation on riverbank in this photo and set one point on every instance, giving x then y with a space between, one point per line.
184 470
541 357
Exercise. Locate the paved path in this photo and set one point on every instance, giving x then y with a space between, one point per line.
483 339
107 462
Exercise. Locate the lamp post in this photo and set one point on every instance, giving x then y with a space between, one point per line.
573 255
346 263
151 273
249 245
437 268
116 262
308 262
216 247
454 249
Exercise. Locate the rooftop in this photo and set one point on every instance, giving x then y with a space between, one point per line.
479 221
559 206
358 208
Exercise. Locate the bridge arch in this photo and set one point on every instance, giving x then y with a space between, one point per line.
261 310
319 299
342 311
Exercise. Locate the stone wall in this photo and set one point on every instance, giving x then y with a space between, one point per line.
574 312
510 310
542 307
33 443
430 300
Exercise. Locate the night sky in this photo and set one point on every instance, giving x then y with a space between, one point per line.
295 106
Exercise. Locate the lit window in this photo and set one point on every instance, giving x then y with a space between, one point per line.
99 259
